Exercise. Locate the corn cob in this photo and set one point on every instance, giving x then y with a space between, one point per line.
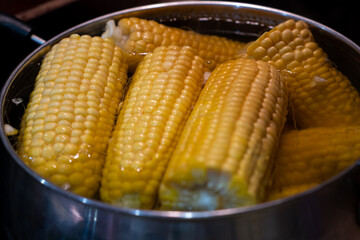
162 92
137 37
224 154
71 113
310 156
321 95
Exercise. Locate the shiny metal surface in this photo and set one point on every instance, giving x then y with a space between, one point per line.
33 208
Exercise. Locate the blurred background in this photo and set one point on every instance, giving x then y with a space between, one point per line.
50 17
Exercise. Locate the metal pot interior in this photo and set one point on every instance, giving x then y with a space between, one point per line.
234 20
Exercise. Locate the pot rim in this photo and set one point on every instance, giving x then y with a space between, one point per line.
180 215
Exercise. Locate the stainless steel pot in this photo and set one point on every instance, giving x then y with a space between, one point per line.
33 208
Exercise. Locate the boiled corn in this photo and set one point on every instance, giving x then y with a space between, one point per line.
162 92
137 37
320 94
308 157
224 154
71 113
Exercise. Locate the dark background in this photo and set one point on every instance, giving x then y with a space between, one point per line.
50 20
342 16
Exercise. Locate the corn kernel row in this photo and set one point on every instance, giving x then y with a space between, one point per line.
162 92
235 125
71 112
325 108
321 96
137 37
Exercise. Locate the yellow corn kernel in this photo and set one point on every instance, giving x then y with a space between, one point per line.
162 92
225 151
320 94
137 37
78 88
310 156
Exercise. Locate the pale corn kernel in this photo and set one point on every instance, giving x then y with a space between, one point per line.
71 149
62 129
35 151
64 168
48 153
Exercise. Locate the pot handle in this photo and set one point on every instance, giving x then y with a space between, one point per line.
18 27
